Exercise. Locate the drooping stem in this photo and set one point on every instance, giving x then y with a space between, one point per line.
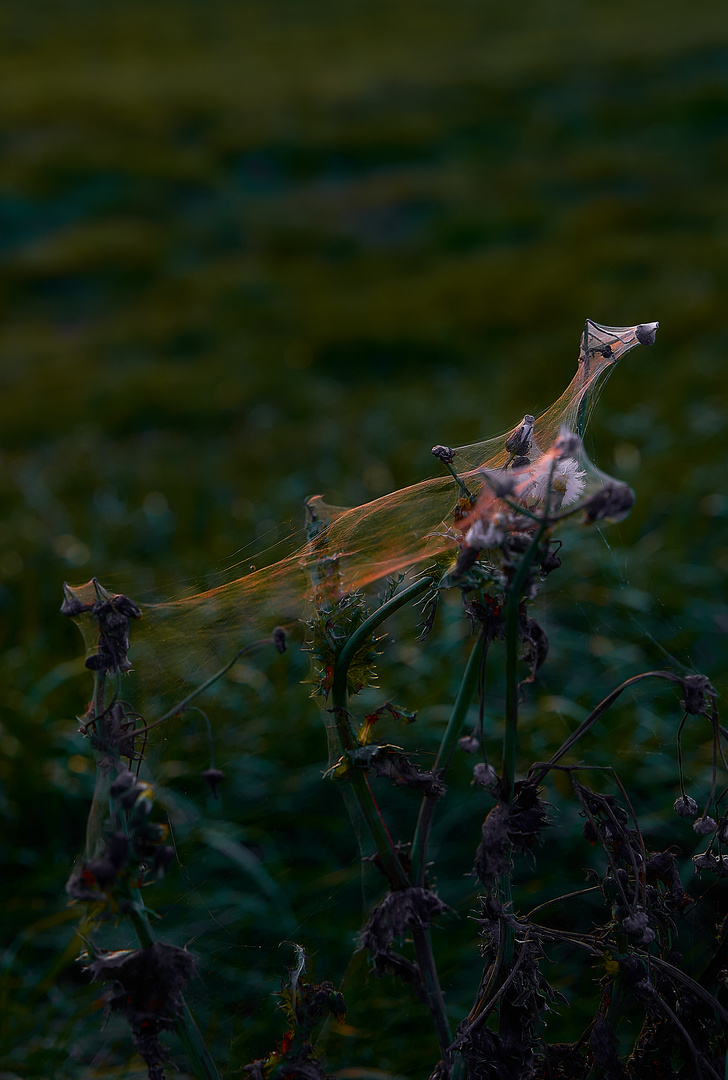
182 705
539 771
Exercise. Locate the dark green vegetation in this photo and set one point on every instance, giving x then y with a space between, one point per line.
252 252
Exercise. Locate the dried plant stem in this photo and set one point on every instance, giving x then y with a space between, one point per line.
100 801
103 807
185 1025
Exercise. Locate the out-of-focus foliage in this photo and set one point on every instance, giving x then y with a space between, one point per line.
254 251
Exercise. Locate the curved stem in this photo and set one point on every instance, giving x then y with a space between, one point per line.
181 705
99 802
594 715
357 639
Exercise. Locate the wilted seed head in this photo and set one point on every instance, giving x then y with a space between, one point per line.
685 807
445 454
500 483
71 605
213 778
612 501
124 780
141 808
485 534
117 849
550 561
567 443
637 927
484 774
83 884
697 691
519 442
646 333
705 825
146 983
469 743
126 607
279 639
397 914
557 478
715 864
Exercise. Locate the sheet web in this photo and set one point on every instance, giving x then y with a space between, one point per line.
178 644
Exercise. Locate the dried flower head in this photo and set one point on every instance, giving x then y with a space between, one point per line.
445 454
563 481
613 501
685 806
213 777
705 825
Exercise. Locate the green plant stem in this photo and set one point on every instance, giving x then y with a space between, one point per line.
339 698
357 639
539 771
395 872
515 592
510 743
459 481
422 942
99 802
207 684
510 735
468 683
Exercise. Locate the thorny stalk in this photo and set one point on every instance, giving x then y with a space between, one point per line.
126 893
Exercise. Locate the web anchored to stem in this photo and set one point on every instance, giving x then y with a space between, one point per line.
486 531
436 521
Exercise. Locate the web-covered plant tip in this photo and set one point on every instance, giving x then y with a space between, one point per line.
500 486
485 529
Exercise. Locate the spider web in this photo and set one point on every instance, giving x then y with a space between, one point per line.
178 644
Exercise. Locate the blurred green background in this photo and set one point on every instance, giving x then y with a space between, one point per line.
256 251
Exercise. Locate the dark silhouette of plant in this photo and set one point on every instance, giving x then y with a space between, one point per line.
501 548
